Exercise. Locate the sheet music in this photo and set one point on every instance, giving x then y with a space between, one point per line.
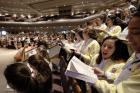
80 70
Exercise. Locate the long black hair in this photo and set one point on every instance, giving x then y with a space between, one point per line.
120 53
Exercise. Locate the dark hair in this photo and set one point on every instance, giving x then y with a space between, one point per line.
18 75
91 33
120 53
103 17
44 43
80 33
137 12
39 63
43 68
113 18
43 53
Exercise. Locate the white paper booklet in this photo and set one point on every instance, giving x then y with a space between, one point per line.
79 70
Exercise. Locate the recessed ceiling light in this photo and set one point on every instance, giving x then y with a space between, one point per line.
22 15
52 15
6 14
14 15
29 16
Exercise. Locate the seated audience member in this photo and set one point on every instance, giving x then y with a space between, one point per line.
112 58
19 77
129 79
20 55
11 43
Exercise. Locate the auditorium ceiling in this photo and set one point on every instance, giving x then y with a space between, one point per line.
45 14
50 7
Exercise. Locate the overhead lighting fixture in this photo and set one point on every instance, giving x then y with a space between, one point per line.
61 20
3 32
72 13
77 12
29 16
41 15
52 15
22 15
83 3
14 15
93 11
6 14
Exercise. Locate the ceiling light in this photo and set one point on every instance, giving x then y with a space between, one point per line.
93 11
3 32
78 11
29 16
52 15
72 13
61 20
6 14
22 15
14 15
41 15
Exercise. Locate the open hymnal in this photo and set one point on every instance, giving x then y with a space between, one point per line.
80 70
